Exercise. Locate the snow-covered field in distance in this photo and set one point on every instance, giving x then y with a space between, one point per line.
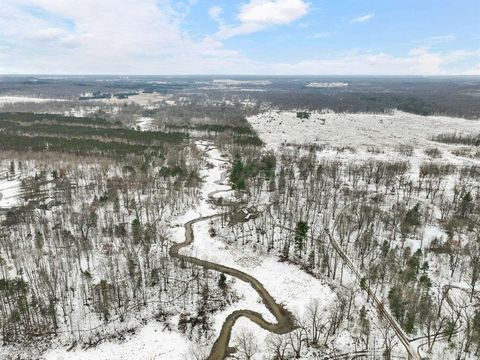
22 99
241 82
327 85
144 123
356 130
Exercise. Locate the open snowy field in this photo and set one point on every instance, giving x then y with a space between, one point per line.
144 123
21 99
10 192
278 127
151 342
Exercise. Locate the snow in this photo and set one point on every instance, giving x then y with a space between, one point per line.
145 123
82 111
356 130
327 85
287 283
151 342
230 82
23 99
10 191
142 99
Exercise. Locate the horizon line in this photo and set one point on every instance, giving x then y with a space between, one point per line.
244 75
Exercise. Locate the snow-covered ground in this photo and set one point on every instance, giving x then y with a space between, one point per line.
83 111
144 123
287 283
10 193
151 342
327 85
278 127
22 99
142 99
230 82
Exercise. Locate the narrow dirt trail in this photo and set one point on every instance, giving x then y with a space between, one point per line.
285 320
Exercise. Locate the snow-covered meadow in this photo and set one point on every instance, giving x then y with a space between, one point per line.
10 193
23 99
277 127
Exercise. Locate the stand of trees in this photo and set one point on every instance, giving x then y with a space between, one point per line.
379 212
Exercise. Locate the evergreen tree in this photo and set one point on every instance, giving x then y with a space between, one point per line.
236 175
300 235
222 282
311 260
397 305
136 231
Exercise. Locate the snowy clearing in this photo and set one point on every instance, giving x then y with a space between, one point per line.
144 123
326 85
22 99
279 127
151 342
10 192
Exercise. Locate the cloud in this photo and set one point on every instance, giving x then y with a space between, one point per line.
110 36
272 12
146 37
418 61
321 35
215 13
475 70
363 18
257 15
59 36
435 40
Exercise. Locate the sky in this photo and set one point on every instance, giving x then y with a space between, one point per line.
251 37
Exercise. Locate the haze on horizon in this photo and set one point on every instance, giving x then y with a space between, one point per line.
268 37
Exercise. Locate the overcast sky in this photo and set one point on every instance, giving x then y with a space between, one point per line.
395 37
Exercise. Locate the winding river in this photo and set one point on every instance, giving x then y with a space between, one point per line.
285 319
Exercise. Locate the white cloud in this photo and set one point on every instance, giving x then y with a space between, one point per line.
321 35
257 15
475 70
109 36
363 18
417 62
146 37
272 12
439 39
215 13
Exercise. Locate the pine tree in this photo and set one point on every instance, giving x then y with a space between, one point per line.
222 282
311 260
236 175
136 231
300 235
